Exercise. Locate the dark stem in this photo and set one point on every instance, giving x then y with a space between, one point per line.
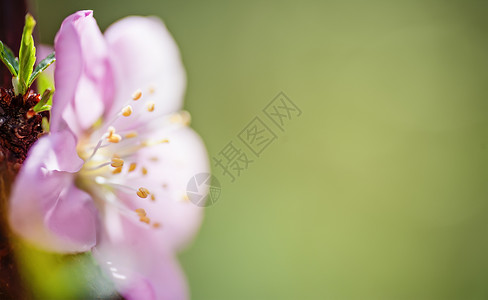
12 13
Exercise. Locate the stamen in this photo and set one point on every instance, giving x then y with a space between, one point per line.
142 192
137 95
131 134
115 138
150 143
153 198
127 111
117 162
144 171
111 131
156 225
151 90
117 170
145 220
141 212
150 106
132 167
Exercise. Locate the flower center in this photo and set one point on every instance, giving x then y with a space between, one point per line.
111 158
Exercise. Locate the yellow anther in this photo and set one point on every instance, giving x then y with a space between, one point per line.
185 197
156 225
150 143
111 131
117 162
117 170
127 111
182 117
137 95
151 90
153 198
141 212
114 138
131 134
150 106
145 220
144 171
132 167
142 192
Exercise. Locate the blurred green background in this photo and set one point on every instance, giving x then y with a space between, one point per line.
379 190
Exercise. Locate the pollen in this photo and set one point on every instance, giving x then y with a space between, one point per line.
131 134
141 212
114 138
145 220
111 131
127 111
117 170
137 95
142 192
117 162
150 106
132 167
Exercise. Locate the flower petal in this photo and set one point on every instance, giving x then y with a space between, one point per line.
140 264
145 56
170 167
83 78
45 206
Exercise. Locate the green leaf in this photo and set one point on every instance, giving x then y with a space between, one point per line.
46 62
27 54
46 101
8 58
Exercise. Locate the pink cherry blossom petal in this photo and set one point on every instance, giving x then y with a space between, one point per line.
44 193
146 57
83 78
140 264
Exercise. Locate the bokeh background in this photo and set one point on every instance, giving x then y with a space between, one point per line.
379 189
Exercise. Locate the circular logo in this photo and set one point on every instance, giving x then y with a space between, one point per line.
203 189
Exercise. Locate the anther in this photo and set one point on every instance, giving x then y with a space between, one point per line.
142 192
141 212
117 162
111 131
117 170
114 138
137 95
151 90
156 225
132 167
131 134
150 106
144 171
127 111
153 198
145 220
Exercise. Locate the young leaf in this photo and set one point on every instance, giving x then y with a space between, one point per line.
9 59
27 54
46 101
46 62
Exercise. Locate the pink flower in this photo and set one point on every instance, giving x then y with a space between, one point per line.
111 175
